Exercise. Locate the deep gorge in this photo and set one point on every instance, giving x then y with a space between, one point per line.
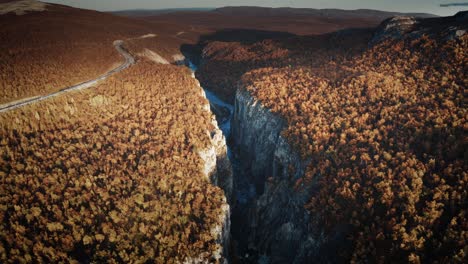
361 189
237 134
269 223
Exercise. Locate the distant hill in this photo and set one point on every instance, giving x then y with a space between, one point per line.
301 21
37 42
280 11
329 13
274 12
153 12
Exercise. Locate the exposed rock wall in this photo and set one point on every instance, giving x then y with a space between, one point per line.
217 165
393 28
279 225
218 169
255 132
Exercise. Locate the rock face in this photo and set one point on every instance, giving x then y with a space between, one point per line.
255 132
218 169
462 16
393 28
454 33
279 225
21 7
409 27
217 165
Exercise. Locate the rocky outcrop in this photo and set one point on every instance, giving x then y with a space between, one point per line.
222 232
179 59
400 27
217 165
393 28
462 16
218 169
278 225
277 219
21 7
255 132
454 33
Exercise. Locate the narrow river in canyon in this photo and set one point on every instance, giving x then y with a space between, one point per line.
244 192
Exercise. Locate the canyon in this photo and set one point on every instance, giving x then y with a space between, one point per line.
281 136
270 222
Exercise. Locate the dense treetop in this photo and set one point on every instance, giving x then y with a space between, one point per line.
382 127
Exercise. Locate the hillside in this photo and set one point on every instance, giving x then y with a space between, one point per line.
21 7
149 12
326 13
232 135
125 171
377 120
301 21
45 51
93 176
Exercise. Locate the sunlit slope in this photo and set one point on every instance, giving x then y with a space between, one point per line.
301 21
380 117
43 51
111 173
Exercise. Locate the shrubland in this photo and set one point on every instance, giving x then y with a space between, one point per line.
110 174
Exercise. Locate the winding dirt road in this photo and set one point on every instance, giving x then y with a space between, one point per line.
129 60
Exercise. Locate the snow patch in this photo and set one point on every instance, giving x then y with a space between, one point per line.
21 7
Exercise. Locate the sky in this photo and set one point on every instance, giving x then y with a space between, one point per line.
426 6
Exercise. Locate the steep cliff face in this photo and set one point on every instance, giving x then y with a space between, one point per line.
217 165
218 169
394 28
278 225
255 132
345 110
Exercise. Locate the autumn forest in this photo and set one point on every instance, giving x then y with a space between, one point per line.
365 154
